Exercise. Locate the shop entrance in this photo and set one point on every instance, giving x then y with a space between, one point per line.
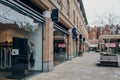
19 56
74 48
60 45
59 51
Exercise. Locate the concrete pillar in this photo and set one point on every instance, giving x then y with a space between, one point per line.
70 45
48 43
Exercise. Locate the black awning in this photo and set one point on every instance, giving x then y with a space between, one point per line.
23 9
118 40
60 28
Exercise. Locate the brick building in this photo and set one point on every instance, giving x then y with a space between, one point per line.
104 37
110 38
93 34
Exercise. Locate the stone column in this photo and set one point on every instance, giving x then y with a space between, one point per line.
70 45
48 43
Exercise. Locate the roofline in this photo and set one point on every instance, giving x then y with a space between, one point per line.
83 10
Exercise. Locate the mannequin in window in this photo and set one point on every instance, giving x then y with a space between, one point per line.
31 54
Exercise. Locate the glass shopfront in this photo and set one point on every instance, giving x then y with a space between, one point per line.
60 47
74 48
20 43
74 43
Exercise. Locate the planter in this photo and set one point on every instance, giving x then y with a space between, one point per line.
80 53
109 59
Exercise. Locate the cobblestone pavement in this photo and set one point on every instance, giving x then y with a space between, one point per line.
81 68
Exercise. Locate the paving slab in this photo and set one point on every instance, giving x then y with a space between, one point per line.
81 68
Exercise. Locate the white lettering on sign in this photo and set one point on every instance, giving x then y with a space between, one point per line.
15 51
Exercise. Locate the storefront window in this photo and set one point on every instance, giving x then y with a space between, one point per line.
20 42
60 47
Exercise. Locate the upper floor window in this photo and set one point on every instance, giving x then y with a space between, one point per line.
73 16
77 21
59 3
68 7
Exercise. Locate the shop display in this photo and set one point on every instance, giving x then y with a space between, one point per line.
5 54
18 26
60 47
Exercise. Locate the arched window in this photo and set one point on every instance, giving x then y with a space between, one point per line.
73 16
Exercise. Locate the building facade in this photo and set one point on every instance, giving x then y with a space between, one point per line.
104 38
93 35
38 40
109 39
63 42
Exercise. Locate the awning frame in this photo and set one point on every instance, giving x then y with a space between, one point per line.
24 9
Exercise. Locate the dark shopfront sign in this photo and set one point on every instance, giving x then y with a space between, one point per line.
80 36
74 33
55 15
83 39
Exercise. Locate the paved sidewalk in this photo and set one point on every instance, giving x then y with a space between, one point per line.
81 68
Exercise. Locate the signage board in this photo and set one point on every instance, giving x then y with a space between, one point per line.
61 45
55 15
15 51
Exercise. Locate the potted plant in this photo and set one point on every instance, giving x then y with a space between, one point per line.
80 53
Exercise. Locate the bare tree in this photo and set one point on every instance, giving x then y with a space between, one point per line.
110 19
99 20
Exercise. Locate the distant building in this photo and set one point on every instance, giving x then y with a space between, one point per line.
106 36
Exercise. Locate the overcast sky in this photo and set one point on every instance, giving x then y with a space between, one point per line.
94 8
